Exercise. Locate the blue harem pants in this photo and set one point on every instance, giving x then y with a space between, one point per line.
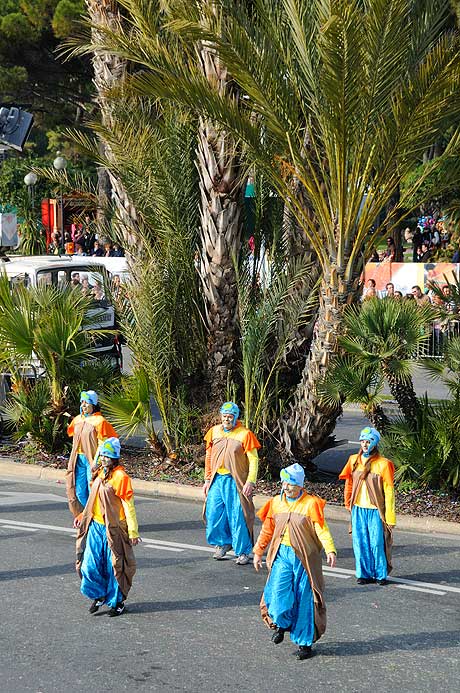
97 576
225 521
289 597
82 479
368 543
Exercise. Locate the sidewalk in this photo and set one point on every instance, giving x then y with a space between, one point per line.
336 513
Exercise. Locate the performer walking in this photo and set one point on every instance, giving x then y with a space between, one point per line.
230 478
88 429
369 495
295 527
107 531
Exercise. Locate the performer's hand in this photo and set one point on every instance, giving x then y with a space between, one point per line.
257 561
248 489
331 559
76 522
135 541
206 486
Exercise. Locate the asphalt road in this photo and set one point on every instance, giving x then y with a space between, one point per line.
193 624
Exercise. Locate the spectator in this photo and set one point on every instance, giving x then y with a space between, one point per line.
118 250
449 304
85 285
390 290
98 291
390 252
97 250
369 290
409 297
416 243
79 249
420 298
68 244
75 280
398 295
456 256
425 254
54 247
108 249
89 235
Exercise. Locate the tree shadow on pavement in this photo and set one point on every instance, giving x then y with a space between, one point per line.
45 571
391 643
221 601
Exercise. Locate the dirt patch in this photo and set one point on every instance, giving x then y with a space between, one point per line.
142 464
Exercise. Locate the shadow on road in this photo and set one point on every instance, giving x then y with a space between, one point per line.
391 643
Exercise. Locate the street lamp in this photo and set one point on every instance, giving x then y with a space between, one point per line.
60 164
30 179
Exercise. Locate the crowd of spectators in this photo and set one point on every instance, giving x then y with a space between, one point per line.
425 240
83 240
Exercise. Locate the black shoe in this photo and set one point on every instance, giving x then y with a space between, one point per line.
278 636
365 581
382 582
95 606
117 610
304 652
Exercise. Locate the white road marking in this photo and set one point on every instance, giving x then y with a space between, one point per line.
343 573
419 589
23 529
151 544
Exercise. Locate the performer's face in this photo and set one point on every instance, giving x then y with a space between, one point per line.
365 444
227 421
292 490
86 407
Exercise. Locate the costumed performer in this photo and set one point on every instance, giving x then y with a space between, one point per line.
230 477
88 429
369 495
107 531
295 528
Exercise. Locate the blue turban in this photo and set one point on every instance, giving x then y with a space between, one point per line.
230 408
295 474
88 396
373 436
110 448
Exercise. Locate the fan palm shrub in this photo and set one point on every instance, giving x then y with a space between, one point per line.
45 335
382 337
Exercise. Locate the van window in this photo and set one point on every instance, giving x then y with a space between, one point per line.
45 278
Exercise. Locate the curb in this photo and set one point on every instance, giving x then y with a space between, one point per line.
165 489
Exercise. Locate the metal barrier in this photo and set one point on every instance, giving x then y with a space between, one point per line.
440 333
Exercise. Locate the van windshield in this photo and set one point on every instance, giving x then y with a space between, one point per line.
90 282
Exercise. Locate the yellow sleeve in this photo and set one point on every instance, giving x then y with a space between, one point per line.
253 459
131 519
324 535
390 507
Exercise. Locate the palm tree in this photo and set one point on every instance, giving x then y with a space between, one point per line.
380 339
343 96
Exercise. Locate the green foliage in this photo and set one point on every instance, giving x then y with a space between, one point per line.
44 337
269 316
429 455
15 27
28 413
66 17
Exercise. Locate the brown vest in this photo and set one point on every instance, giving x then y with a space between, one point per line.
307 548
374 485
84 438
123 560
228 452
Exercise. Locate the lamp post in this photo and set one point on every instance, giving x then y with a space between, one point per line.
60 164
30 179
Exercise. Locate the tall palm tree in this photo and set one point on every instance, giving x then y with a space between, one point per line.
109 71
371 84
343 96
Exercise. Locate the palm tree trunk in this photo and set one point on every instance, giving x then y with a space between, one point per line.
221 227
109 70
405 396
377 417
308 424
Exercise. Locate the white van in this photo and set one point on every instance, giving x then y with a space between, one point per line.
93 274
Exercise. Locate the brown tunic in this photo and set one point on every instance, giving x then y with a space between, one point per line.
307 547
84 439
374 485
228 452
123 560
